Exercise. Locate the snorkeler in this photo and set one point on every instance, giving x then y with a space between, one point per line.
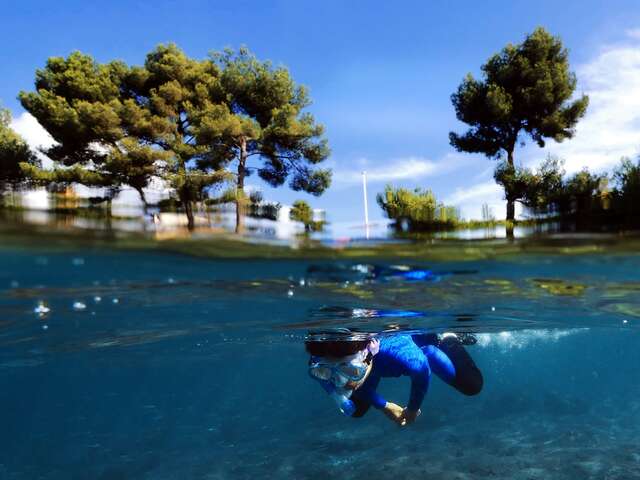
350 368
378 273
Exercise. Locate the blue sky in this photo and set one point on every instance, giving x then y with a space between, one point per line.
380 75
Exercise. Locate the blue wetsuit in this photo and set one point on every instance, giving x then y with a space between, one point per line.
400 355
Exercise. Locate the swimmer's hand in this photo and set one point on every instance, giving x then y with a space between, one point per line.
394 412
409 416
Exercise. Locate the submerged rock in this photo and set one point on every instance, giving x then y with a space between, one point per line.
559 287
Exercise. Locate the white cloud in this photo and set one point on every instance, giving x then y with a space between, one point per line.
633 33
471 199
408 168
412 167
611 126
480 191
34 134
250 188
28 127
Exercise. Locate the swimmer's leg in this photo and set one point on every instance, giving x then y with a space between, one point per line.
440 364
424 339
450 362
468 378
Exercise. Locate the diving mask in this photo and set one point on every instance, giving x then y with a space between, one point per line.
352 368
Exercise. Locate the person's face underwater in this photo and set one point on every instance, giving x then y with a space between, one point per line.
346 373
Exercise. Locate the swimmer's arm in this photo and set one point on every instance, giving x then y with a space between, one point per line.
393 411
420 380
377 400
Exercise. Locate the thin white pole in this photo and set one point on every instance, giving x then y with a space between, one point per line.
366 207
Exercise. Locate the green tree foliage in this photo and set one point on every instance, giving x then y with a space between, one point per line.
169 99
582 193
262 116
14 151
626 194
258 208
302 212
579 197
516 181
534 189
80 103
547 182
525 90
117 125
179 119
416 210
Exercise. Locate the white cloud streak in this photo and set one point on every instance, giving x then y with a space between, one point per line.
480 191
408 168
470 199
34 134
28 127
633 33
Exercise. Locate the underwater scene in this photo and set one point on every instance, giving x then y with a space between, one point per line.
119 364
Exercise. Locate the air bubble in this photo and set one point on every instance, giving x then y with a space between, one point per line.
41 310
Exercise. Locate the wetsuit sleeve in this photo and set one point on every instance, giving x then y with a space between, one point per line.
404 357
420 379
377 400
371 396
416 366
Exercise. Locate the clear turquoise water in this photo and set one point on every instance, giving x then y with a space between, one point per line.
180 368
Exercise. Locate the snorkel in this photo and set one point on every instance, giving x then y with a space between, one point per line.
340 396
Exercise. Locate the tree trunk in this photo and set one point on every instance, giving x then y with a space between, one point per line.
185 195
511 210
143 198
145 207
188 208
509 231
185 198
511 204
240 200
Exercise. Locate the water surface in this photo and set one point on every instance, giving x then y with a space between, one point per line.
158 365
